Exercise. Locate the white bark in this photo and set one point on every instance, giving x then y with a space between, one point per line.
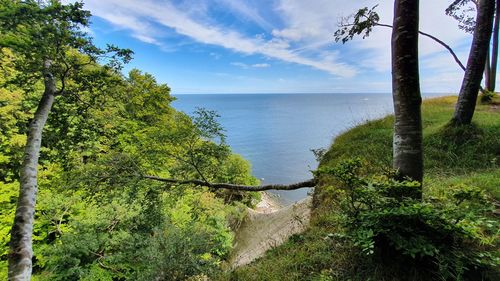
407 140
21 248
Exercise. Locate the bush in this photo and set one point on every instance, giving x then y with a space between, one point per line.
450 238
486 97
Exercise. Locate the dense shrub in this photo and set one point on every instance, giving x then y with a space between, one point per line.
450 238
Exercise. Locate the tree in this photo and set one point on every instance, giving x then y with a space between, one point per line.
461 10
407 140
467 98
491 83
94 217
365 19
48 40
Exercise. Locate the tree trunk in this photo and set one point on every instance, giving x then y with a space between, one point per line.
407 140
21 250
467 98
487 72
494 49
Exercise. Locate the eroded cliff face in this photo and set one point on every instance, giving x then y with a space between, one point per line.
266 228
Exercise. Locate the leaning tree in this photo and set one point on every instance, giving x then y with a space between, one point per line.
465 12
471 83
50 49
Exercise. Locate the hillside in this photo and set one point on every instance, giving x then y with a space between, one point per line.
469 156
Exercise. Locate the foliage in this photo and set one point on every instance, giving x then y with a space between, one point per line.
52 31
126 239
461 11
8 194
362 22
487 97
97 218
449 237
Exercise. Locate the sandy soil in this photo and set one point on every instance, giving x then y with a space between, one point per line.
268 226
268 204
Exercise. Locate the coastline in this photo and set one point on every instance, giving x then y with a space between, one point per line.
267 226
268 204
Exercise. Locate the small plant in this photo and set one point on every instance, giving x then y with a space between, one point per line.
486 97
383 218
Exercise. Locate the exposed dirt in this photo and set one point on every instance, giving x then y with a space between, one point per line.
268 226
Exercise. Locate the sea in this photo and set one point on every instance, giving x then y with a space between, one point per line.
276 132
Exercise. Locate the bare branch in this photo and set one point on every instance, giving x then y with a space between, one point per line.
363 22
446 46
304 184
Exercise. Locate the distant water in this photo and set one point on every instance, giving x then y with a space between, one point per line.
275 132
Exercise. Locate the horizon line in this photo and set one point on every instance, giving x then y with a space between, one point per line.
301 93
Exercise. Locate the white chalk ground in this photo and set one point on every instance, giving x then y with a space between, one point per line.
267 226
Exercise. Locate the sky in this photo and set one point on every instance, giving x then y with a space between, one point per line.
271 46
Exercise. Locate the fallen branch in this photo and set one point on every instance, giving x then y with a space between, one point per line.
293 186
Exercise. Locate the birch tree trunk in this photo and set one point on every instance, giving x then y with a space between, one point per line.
21 250
407 139
466 104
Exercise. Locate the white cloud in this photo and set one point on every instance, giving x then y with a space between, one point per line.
240 64
247 11
261 65
313 23
215 55
304 35
135 13
247 66
140 30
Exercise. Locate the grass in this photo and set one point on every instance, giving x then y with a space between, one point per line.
469 155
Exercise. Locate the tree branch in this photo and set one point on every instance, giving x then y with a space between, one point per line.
365 19
293 186
447 47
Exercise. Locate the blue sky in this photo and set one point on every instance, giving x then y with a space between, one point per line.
269 46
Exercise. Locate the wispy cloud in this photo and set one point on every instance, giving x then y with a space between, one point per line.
141 30
134 14
261 65
240 64
247 66
242 8
313 23
215 55
297 32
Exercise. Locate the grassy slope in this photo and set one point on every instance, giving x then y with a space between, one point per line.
473 158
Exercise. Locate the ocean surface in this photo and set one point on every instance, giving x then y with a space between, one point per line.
276 132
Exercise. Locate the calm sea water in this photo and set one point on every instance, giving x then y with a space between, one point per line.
276 132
